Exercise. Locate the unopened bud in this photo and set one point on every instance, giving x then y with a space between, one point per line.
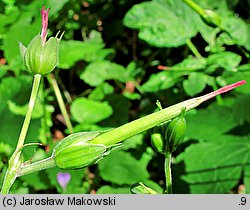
76 151
176 132
40 58
211 18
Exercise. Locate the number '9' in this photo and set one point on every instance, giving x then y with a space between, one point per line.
243 200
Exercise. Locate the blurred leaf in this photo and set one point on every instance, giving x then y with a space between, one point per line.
214 167
120 106
227 60
21 110
88 111
100 91
121 168
231 77
238 30
90 50
9 87
75 183
106 189
23 30
160 81
163 23
246 178
99 71
195 83
54 5
211 126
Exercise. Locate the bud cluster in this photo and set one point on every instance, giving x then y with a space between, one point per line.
166 138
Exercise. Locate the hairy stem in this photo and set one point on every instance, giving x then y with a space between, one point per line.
16 158
37 166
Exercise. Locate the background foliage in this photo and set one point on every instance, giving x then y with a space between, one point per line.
108 76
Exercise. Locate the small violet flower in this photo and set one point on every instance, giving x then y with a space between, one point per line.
63 179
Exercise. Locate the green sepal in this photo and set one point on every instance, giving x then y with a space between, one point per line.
140 188
176 131
41 58
158 142
77 151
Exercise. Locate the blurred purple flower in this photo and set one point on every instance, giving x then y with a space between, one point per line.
63 179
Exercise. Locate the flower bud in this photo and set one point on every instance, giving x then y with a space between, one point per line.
211 18
157 142
176 132
40 58
76 151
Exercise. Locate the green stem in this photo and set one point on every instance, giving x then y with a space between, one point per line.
168 174
37 166
137 126
193 49
34 91
60 101
195 7
16 158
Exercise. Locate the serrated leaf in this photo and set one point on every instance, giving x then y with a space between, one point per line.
89 111
121 168
215 168
210 123
163 23
97 72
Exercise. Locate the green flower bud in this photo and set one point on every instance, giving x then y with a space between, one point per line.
157 142
176 132
76 151
40 58
211 18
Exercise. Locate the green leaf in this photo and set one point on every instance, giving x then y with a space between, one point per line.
121 168
9 87
75 184
38 111
195 83
99 71
120 106
54 5
100 91
227 60
215 168
106 189
88 111
230 77
238 30
163 23
27 26
72 51
160 81
246 178
204 126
